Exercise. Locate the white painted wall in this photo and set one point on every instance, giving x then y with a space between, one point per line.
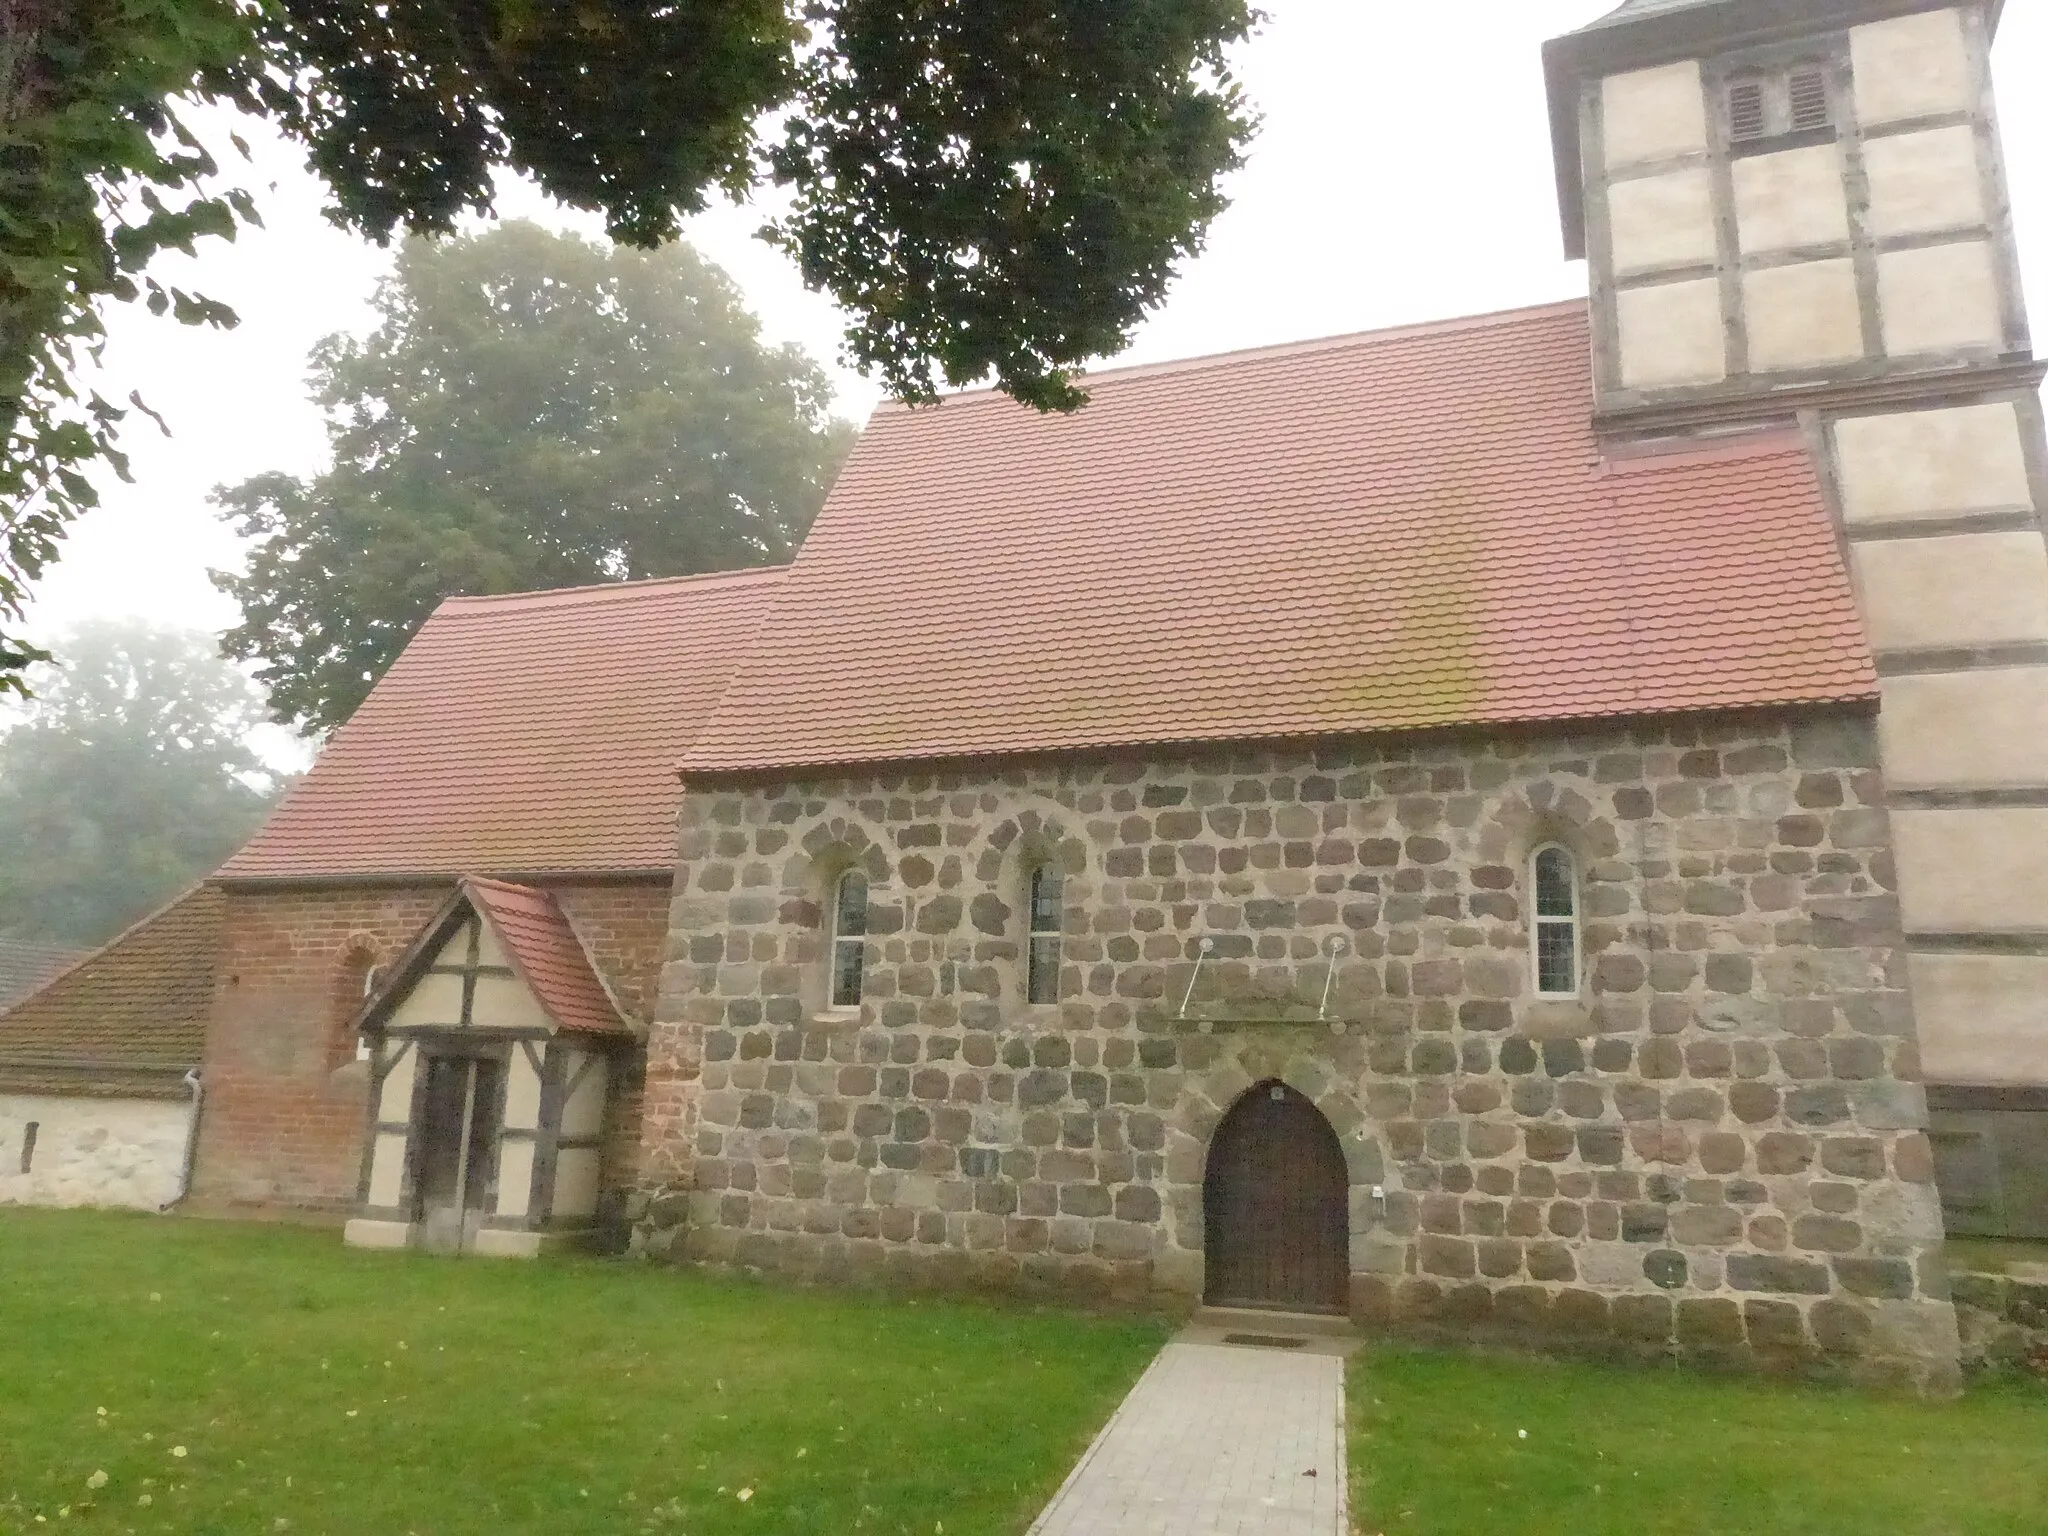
123 1152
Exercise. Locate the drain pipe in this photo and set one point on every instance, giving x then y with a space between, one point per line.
191 1144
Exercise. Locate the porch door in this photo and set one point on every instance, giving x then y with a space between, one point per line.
458 1140
1276 1207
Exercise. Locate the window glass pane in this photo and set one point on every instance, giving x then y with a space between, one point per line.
1554 880
848 957
851 920
1046 887
1557 957
1045 968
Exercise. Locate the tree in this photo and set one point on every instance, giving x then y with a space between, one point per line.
128 777
532 410
987 187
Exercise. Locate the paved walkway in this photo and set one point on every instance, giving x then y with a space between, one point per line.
1215 1440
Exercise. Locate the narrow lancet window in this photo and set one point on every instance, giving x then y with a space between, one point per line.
1047 887
849 938
1556 934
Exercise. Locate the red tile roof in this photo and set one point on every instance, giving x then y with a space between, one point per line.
1395 531
128 1019
528 734
548 955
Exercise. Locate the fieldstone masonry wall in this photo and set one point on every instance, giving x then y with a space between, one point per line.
1716 1152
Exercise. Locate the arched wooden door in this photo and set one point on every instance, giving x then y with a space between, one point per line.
1276 1202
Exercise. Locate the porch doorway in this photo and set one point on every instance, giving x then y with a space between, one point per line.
459 1124
1276 1203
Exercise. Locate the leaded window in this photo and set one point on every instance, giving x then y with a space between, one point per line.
849 938
1047 887
1556 934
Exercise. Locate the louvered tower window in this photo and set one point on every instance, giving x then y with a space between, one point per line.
1746 116
1769 106
1808 91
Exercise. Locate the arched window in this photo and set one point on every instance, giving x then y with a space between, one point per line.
1048 885
1556 928
849 938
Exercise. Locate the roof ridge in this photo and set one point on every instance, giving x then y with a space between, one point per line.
597 589
1447 326
90 955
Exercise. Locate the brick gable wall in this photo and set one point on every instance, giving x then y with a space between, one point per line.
285 1096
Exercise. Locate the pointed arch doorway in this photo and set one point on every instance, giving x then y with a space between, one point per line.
1276 1207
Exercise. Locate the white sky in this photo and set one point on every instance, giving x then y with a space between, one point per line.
1403 174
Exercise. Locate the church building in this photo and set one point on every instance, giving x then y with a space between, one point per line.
1527 827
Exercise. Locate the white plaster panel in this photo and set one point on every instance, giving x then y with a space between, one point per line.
1671 334
108 1152
515 1176
1966 730
1794 198
1912 66
1966 590
1802 316
1939 298
394 1103
1919 464
1982 1019
365 1233
1972 871
503 1002
583 1111
1662 221
522 1093
576 1170
1921 182
1653 114
387 1170
435 1002
488 950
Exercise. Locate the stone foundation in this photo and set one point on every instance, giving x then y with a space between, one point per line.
1716 1150
2003 1320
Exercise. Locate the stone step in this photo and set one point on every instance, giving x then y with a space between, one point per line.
1314 1325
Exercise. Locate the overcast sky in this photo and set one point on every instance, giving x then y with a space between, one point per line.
1403 174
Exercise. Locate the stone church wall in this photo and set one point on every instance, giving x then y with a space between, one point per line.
1715 1153
286 1096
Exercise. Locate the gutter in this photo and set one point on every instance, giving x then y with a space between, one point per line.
193 1082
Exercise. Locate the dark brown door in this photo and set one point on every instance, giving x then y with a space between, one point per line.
1276 1201
458 1141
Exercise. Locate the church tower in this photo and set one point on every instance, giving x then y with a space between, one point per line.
1795 213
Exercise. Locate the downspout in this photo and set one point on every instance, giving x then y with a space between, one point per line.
191 1143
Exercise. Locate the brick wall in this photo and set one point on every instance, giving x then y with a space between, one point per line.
1716 1151
285 1096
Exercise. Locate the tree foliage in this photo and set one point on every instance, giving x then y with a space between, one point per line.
97 175
532 410
127 778
988 187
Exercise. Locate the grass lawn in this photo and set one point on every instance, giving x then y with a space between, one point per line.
259 1379
1437 1449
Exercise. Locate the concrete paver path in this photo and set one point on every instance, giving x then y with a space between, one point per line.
1215 1440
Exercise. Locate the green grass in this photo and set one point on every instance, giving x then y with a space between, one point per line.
260 1379
1437 1449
